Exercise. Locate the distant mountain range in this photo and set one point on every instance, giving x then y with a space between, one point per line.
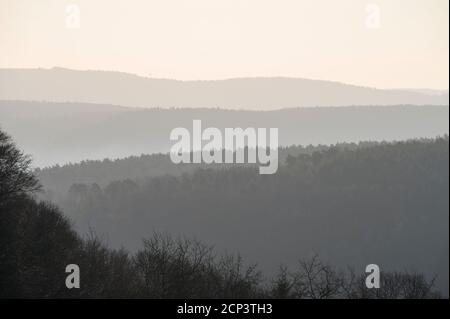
64 85
59 133
60 115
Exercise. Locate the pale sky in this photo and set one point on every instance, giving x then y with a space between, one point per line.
406 45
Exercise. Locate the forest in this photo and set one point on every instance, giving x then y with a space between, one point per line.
387 202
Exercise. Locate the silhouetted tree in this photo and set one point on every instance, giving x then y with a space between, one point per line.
16 177
317 280
282 285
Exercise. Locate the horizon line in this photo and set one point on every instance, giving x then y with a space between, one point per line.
437 90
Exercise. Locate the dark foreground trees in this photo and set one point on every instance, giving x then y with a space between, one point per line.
314 279
37 243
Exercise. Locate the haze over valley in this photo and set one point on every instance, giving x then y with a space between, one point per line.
344 105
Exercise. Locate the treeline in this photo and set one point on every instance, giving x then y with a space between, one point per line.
37 242
58 179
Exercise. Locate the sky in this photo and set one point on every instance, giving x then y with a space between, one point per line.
383 44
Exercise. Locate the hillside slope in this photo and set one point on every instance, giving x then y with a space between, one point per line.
386 204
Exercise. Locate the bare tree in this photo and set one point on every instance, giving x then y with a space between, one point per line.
16 176
186 268
316 280
282 285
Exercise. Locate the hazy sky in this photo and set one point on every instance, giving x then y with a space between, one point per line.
404 44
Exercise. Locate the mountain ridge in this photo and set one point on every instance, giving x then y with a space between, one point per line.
58 133
249 93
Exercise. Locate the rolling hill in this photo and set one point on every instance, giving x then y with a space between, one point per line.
104 87
59 133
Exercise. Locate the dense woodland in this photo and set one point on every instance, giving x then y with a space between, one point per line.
58 179
386 203
391 199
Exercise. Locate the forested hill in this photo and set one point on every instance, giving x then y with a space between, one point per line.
59 178
386 204
38 241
